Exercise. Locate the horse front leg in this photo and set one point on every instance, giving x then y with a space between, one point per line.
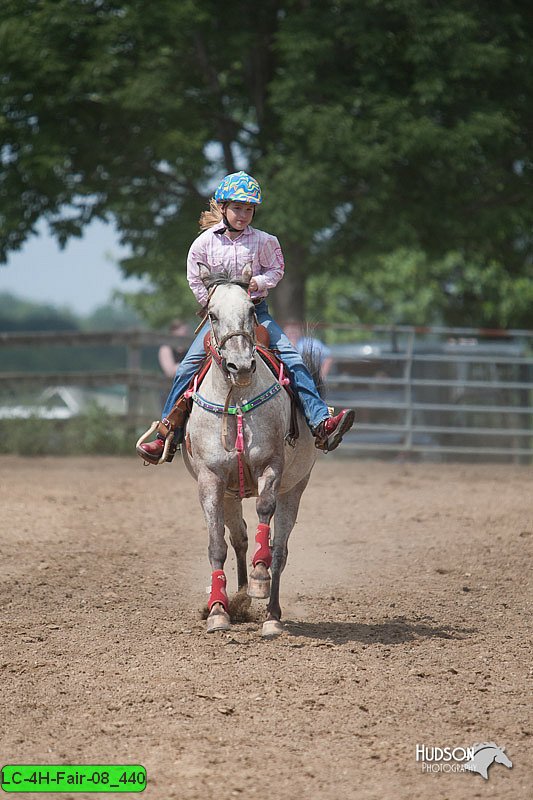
268 486
240 603
211 493
286 513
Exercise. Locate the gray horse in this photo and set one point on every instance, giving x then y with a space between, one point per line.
237 445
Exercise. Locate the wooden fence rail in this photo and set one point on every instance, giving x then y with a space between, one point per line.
430 391
133 377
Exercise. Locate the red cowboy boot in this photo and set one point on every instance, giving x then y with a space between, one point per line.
169 427
152 451
328 433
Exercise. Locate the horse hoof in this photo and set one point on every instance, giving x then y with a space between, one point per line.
218 622
271 629
259 588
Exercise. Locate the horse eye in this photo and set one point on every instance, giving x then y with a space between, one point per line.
213 318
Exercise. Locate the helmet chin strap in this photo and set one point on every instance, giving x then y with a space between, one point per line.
228 225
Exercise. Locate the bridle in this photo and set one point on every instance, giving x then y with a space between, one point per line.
217 344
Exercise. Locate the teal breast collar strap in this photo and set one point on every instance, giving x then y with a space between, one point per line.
216 408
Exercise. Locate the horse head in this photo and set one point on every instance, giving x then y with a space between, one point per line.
485 754
501 758
232 317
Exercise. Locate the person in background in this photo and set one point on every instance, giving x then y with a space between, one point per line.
171 357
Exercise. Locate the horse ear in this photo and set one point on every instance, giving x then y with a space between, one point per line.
247 272
203 271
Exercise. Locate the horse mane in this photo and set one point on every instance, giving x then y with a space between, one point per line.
485 745
223 278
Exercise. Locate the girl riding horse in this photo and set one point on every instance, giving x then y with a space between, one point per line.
228 243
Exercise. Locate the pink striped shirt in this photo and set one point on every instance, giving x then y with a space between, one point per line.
220 252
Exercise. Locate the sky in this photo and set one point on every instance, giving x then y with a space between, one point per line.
82 277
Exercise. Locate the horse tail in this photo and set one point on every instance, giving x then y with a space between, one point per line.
312 357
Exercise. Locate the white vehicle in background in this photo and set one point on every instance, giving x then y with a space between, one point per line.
64 402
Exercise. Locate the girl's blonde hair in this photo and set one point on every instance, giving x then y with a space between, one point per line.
212 217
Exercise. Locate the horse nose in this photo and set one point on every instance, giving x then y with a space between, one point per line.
241 369
236 371
240 373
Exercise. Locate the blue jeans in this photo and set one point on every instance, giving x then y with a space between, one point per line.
313 406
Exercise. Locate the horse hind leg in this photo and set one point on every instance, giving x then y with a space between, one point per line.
259 580
238 537
284 521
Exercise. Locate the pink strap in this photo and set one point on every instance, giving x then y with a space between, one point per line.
242 487
239 447
190 392
284 381
239 441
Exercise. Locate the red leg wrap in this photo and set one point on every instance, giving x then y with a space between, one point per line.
218 589
262 553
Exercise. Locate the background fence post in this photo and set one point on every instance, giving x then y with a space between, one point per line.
408 442
133 364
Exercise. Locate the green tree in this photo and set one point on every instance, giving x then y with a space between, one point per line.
376 128
113 316
411 122
23 315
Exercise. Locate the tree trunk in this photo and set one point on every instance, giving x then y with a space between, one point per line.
288 298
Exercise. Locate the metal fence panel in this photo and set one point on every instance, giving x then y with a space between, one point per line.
434 393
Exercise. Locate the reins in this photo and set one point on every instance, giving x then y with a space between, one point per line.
216 346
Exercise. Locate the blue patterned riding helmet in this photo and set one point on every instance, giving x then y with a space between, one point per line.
239 187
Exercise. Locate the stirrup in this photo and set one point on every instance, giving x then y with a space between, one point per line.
148 433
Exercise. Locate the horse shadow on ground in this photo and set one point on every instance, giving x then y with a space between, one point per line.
394 631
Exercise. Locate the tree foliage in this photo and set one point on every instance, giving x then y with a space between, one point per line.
24 315
392 139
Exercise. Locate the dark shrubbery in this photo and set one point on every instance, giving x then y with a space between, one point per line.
95 432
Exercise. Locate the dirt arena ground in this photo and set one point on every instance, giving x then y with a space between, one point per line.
407 602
